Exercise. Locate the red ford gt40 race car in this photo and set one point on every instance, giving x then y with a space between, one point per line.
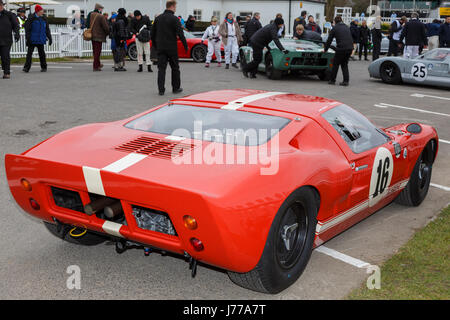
144 180
196 49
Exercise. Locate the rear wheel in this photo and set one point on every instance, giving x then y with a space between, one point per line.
288 246
132 52
419 181
88 239
325 75
390 73
271 72
198 53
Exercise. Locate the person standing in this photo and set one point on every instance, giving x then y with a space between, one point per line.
313 26
37 31
8 25
100 29
261 39
395 32
364 39
21 17
165 30
376 38
300 20
213 36
433 34
444 34
141 27
354 29
190 23
120 32
231 37
252 26
415 36
344 47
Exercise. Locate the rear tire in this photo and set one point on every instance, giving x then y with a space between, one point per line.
325 75
390 73
419 181
199 52
271 72
282 262
89 239
132 52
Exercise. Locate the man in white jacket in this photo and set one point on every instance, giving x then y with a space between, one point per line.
212 35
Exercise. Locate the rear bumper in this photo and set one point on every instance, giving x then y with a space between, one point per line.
222 237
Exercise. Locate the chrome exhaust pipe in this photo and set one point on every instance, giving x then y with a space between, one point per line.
113 210
97 205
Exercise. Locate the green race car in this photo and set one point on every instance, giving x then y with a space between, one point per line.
304 56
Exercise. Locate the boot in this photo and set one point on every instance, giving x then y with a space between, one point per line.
235 65
140 68
149 68
227 66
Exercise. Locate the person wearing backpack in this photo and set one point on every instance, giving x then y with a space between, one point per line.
121 35
8 25
140 27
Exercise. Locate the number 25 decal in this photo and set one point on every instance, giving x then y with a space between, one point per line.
380 180
419 71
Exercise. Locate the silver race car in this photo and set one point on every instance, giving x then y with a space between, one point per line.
430 68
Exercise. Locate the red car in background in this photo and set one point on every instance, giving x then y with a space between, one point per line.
196 49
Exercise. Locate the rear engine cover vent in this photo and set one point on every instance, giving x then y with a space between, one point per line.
154 147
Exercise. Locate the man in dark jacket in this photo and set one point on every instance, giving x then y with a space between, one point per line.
444 34
261 39
251 27
415 36
313 26
364 39
165 30
37 31
300 20
395 31
141 27
344 47
190 23
302 34
8 25
354 30
121 35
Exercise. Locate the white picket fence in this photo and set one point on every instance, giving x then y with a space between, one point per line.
67 42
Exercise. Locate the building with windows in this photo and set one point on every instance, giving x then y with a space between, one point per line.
202 10
425 9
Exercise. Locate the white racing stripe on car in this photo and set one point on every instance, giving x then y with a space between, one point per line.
386 105
125 162
238 103
323 226
93 180
175 138
112 228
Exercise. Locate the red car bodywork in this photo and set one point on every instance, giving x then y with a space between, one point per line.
191 42
234 205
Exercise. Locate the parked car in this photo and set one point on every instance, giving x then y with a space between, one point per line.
304 57
143 181
196 49
384 48
431 68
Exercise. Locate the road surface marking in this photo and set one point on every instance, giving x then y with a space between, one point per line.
48 67
343 257
241 102
386 105
440 187
420 95
444 141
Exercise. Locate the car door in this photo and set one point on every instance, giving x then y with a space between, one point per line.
371 154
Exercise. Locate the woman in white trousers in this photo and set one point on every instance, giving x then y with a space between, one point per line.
231 37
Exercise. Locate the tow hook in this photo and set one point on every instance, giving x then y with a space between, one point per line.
193 266
61 228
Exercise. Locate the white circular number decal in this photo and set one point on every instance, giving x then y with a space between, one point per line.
380 180
419 71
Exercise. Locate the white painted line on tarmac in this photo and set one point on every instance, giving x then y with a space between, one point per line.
440 187
420 95
48 67
386 105
343 257
444 141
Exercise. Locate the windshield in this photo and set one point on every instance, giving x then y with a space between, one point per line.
437 54
209 124
357 131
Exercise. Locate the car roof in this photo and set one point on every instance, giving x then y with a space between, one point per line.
261 101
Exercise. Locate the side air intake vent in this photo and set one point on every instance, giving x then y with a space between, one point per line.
154 147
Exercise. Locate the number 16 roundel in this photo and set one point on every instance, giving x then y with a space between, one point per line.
380 180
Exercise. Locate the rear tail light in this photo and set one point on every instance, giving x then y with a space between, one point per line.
26 185
197 244
190 222
34 204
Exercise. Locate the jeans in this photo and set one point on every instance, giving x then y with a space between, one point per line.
42 58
